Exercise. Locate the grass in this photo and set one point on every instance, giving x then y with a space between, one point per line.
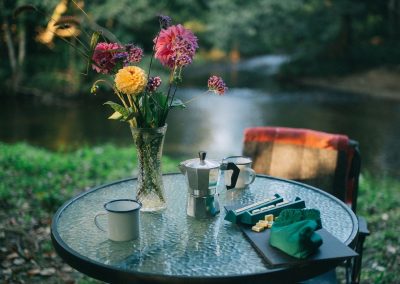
379 203
47 179
35 182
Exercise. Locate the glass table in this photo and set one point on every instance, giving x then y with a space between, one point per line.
176 248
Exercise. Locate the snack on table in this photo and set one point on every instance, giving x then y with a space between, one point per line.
257 229
261 225
269 217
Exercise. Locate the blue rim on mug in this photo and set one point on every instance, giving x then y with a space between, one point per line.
122 211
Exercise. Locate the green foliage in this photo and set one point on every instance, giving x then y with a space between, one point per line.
379 203
323 37
121 113
48 179
328 36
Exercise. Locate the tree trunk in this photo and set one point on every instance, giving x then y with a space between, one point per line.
18 75
16 60
10 46
21 45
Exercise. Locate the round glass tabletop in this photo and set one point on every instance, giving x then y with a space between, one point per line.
172 244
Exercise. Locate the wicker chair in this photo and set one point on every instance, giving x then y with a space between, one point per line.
327 161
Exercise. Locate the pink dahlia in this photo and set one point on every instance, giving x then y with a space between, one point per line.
105 55
217 85
175 46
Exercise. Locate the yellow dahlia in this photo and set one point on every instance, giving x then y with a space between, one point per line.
131 80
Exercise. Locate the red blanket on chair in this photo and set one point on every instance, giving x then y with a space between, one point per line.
316 158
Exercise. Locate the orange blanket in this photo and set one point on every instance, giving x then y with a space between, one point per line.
316 158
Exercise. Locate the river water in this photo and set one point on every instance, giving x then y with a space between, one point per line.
216 123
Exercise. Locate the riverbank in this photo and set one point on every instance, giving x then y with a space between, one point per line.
381 83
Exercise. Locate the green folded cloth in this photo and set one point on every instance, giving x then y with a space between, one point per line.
294 232
289 216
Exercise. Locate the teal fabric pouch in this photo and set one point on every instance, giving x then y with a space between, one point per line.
294 232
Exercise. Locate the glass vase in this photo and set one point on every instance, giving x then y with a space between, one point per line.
149 146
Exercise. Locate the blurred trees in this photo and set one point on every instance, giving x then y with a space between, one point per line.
346 33
322 36
24 59
14 39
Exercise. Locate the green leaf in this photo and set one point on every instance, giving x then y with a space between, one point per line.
177 103
148 111
131 115
94 89
117 107
160 98
93 42
116 115
121 112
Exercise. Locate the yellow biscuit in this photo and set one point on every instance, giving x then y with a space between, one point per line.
269 217
257 228
262 223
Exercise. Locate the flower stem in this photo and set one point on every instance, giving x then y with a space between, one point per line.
130 100
173 96
152 56
138 109
121 98
196 97
166 107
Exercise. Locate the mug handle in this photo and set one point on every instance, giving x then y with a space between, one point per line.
235 175
97 222
252 175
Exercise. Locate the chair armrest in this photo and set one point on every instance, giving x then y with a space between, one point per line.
362 226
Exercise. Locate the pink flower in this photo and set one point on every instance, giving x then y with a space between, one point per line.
217 85
134 55
153 83
104 56
175 46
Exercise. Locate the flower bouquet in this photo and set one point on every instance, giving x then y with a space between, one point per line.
142 103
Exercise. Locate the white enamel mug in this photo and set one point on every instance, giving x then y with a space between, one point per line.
123 219
246 175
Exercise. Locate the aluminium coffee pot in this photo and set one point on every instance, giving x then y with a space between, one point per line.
201 179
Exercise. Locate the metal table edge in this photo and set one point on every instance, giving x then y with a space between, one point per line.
111 274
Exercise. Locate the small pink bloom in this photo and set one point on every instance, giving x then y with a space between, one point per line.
175 46
217 85
153 83
135 54
104 56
